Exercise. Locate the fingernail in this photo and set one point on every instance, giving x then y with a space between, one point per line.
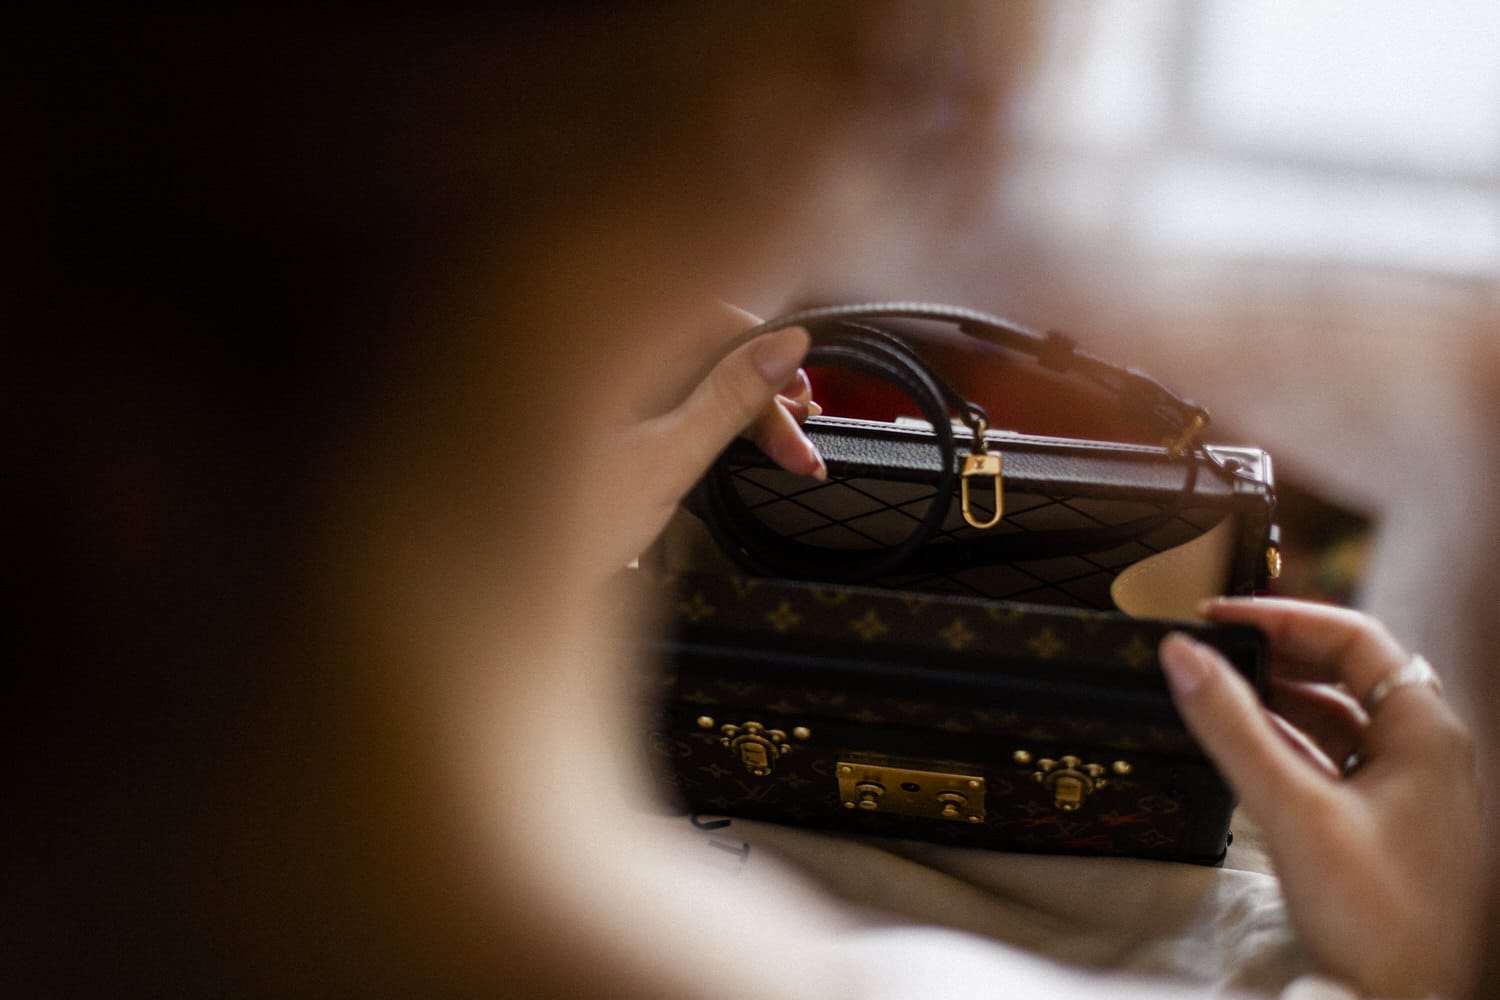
1184 662
813 409
777 355
797 387
795 407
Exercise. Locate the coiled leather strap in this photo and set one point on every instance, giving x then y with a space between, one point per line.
759 550
841 336
1180 419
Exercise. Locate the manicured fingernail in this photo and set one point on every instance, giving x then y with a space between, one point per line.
795 407
800 409
777 355
1185 663
797 387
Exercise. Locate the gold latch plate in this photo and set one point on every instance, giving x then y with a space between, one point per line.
875 786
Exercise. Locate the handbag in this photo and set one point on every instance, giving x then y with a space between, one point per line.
953 638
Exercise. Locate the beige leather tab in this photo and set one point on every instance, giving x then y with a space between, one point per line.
1170 584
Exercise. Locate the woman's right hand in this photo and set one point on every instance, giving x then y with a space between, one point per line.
1380 862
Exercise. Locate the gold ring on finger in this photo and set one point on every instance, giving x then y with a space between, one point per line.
1413 673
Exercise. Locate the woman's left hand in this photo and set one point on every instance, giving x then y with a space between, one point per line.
758 391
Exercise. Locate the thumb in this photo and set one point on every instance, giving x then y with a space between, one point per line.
1273 780
734 394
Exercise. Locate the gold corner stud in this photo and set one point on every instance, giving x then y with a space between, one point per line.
1273 562
1071 781
756 746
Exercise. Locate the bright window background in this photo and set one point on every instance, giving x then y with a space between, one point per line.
1322 130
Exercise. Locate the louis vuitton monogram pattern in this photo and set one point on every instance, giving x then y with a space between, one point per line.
1170 805
921 621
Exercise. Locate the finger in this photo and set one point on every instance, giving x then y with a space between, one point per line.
1318 642
1339 644
779 434
1274 781
796 396
732 396
1331 719
799 410
1414 726
798 388
1303 744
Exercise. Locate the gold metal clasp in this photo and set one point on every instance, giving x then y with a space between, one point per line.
890 786
755 746
1183 442
981 463
1070 780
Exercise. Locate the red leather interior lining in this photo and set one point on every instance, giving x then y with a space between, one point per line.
1019 394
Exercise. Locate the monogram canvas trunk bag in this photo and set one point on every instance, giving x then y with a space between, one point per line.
953 638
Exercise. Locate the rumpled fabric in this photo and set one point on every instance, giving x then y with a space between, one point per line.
927 920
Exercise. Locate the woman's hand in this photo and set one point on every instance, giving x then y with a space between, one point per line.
1379 859
757 391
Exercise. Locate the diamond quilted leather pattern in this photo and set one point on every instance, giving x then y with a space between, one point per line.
857 513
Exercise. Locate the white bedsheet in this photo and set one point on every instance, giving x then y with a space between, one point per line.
935 921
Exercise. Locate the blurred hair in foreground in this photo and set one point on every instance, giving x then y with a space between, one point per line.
308 309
